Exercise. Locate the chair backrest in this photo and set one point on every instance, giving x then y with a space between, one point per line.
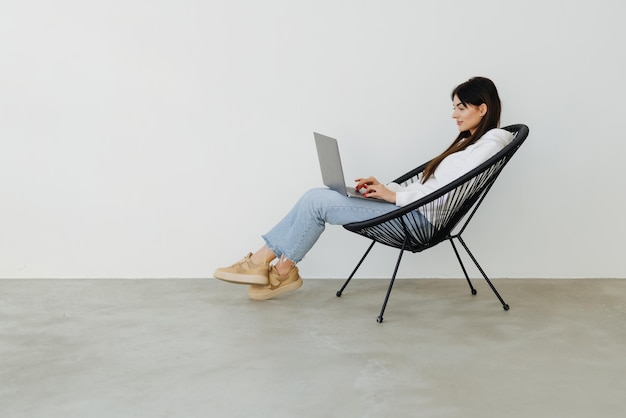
446 208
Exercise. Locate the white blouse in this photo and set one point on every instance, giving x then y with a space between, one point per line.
454 166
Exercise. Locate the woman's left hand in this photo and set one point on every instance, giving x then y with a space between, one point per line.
379 191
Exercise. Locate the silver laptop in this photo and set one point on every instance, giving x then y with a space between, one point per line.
330 164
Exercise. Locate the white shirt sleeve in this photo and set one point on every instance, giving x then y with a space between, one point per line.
454 166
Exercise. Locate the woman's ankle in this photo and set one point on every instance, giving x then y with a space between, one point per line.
262 256
283 267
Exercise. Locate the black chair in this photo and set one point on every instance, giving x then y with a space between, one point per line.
453 206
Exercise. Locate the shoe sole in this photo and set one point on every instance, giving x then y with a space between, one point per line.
277 292
241 278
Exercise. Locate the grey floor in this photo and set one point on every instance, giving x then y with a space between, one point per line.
200 348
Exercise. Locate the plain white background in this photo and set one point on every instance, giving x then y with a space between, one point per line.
153 139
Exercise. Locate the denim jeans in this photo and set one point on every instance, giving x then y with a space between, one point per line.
298 231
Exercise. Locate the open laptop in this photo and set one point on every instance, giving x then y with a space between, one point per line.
330 164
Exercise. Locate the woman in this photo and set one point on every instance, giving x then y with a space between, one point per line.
476 109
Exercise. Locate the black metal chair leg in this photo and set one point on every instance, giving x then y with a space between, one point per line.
504 304
458 257
340 291
393 279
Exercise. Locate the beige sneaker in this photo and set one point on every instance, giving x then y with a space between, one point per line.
277 285
244 271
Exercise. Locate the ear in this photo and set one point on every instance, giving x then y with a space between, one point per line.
483 109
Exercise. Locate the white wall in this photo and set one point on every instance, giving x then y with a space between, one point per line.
158 139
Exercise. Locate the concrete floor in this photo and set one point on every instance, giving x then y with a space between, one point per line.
200 348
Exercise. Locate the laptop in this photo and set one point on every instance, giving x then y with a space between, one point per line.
330 164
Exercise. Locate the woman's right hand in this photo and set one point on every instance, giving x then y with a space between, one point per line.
361 182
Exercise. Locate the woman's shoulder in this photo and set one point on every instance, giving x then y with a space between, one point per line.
491 142
497 135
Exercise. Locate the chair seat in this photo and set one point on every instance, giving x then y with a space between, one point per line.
451 207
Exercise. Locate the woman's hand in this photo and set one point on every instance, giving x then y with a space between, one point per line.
373 188
362 182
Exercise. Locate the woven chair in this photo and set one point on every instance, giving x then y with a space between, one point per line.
451 207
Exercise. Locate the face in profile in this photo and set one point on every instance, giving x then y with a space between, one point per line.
467 116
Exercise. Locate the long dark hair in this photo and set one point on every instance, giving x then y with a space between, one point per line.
475 91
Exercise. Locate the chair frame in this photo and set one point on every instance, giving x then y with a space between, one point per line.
399 229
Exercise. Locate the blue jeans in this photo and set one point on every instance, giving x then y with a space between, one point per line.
296 233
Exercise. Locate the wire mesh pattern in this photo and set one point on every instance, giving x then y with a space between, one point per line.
449 209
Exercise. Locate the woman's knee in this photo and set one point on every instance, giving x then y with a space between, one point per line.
319 197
